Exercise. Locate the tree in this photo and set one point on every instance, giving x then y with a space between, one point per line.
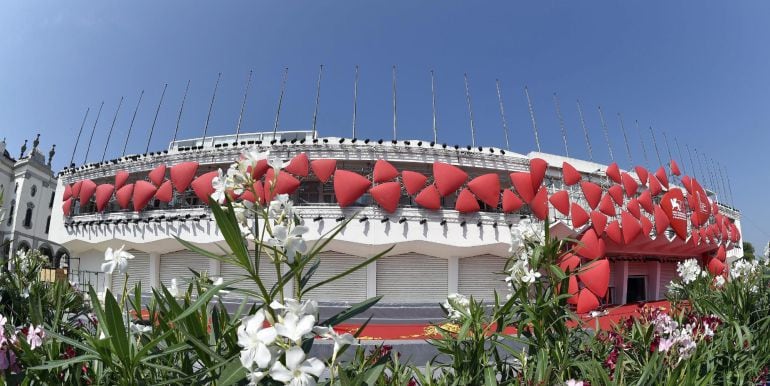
748 251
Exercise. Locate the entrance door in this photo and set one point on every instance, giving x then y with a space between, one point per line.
637 289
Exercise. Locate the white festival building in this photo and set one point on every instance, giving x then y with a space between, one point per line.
446 210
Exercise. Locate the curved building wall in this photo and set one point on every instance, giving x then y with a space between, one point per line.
435 251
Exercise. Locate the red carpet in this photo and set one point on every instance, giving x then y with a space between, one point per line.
609 317
421 331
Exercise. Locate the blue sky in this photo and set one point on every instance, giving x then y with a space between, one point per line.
697 70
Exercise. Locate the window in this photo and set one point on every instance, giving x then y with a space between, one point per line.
637 289
28 218
34 190
48 225
10 214
53 195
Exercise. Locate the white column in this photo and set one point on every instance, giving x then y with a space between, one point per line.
155 270
371 279
653 278
107 282
621 281
215 267
453 271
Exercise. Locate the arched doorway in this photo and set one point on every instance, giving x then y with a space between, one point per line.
46 251
62 259
22 246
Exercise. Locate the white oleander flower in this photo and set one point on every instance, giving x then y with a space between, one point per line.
743 269
292 306
281 207
688 270
35 335
277 164
255 338
457 306
295 327
236 179
138 329
340 340
116 260
290 241
573 382
298 371
253 156
255 377
530 276
219 184
219 281
242 211
719 281
518 271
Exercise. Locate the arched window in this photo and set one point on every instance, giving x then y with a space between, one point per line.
10 213
28 218
48 225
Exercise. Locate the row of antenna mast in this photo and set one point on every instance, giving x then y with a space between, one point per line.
706 169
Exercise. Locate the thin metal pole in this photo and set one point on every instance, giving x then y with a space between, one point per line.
606 132
77 141
243 107
625 139
155 120
641 141
470 109
712 179
557 105
655 143
131 126
700 165
280 101
720 180
679 151
532 117
668 150
317 99
109 135
585 130
394 103
88 149
181 109
502 114
730 187
433 95
692 164
355 100
211 107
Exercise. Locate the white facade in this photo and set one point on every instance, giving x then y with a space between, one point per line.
28 187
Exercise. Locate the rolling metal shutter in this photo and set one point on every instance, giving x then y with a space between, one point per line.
667 275
412 278
177 265
351 288
481 276
266 273
637 268
138 272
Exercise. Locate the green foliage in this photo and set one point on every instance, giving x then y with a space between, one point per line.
714 332
748 251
